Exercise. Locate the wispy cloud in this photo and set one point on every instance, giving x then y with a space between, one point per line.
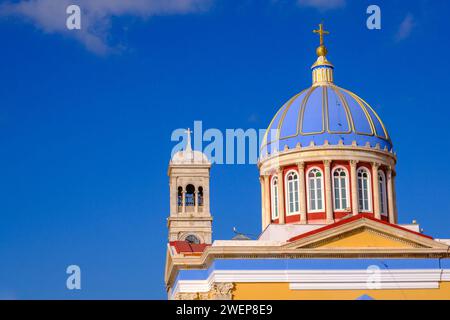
50 16
406 27
322 5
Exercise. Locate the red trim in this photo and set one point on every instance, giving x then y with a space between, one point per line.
339 215
357 217
186 247
316 216
293 218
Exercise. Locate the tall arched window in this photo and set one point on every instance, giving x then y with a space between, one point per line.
315 190
292 204
274 193
180 196
382 190
200 196
189 196
340 188
364 190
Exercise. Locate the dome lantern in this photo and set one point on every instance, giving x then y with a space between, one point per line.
322 69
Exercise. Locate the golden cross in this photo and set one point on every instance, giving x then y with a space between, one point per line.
321 33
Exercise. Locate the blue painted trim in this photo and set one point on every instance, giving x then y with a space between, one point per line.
322 67
311 264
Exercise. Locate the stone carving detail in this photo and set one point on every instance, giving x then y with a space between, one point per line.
219 291
204 295
222 291
186 296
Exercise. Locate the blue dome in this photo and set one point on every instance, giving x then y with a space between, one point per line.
325 113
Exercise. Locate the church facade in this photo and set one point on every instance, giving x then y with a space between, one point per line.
329 214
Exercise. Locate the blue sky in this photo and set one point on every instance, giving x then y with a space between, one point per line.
86 119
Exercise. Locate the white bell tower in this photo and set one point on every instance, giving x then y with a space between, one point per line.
190 218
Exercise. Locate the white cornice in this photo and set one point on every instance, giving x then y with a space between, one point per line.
322 279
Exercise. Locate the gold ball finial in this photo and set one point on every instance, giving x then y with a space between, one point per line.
321 51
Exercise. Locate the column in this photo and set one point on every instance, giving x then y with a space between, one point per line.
173 196
206 205
354 187
390 195
328 187
281 195
184 201
267 200
195 201
302 192
376 190
263 203
395 197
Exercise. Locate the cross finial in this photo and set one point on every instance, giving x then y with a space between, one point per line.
321 33
188 144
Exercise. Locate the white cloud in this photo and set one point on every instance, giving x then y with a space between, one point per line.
406 27
322 4
50 15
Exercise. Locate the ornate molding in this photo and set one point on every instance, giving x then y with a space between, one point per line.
301 165
358 231
354 162
376 165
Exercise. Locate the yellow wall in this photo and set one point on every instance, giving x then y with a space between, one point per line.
365 239
281 291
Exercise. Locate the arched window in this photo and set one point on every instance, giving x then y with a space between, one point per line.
364 190
192 239
292 193
315 190
382 190
340 189
180 196
274 194
200 196
189 197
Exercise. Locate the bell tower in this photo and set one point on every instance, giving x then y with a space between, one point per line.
190 218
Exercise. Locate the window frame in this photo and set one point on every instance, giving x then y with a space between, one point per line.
347 189
369 190
274 207
286 193
383 194
308 189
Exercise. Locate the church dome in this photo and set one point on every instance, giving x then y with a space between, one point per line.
325 114
188 155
